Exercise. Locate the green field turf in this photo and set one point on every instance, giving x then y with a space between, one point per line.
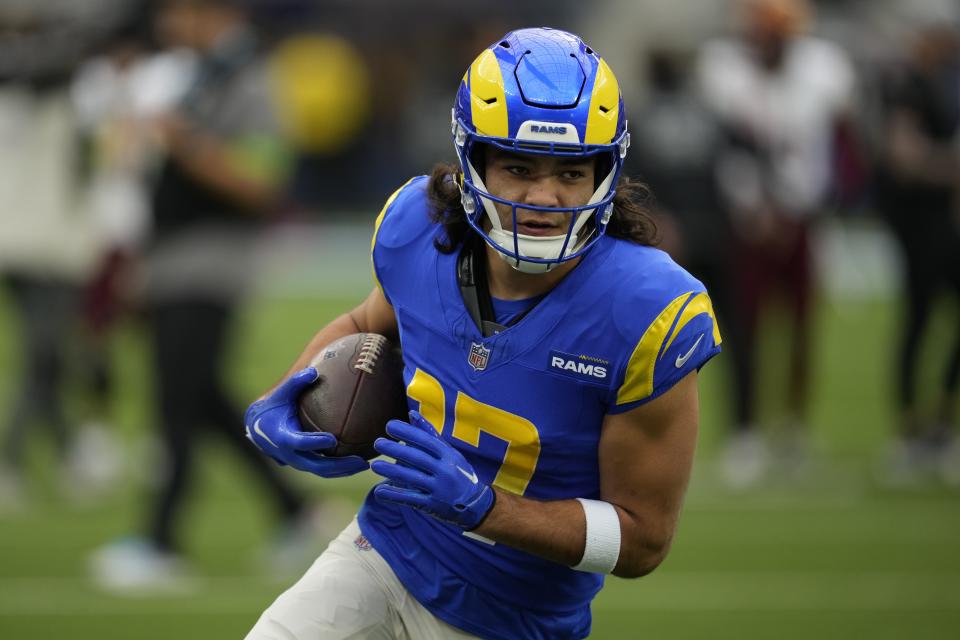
826 554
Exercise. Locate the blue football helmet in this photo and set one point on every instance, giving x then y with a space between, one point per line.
540 91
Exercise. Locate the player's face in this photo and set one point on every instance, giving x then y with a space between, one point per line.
546 181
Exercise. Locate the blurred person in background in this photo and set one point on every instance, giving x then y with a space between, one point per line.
323 87
114 93
780 96
220 179
47 244
916 192
676 145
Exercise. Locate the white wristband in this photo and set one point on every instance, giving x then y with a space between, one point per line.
602 549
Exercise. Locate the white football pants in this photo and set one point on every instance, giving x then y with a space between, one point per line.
350 593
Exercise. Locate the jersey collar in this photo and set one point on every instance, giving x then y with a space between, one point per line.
530 331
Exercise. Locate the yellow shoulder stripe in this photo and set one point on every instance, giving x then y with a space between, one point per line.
700 304
379 221
638 381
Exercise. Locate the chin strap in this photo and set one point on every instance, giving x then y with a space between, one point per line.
472 276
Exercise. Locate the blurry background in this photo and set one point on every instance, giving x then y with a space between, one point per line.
806 164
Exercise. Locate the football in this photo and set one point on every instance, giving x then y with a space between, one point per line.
359 388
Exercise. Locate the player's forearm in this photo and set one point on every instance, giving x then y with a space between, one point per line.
556 530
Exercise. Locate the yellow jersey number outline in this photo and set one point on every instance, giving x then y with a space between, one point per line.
471 417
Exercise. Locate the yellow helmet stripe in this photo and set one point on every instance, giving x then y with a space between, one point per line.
638 381
488 102
604 107
700 304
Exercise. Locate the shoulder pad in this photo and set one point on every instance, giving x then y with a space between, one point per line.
667 315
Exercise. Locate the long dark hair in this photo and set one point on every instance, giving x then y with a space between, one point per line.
631 218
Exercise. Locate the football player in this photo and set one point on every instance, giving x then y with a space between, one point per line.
551 359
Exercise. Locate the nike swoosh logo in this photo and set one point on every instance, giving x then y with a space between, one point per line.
682 360
473 476
259 432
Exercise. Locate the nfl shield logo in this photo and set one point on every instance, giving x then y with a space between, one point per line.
478 356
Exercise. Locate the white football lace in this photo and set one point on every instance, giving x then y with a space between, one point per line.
373 344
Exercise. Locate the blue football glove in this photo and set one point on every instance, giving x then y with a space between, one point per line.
273 426
430 475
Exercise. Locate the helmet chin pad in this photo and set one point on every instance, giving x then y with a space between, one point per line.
546 248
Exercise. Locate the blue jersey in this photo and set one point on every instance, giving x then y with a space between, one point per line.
525 407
